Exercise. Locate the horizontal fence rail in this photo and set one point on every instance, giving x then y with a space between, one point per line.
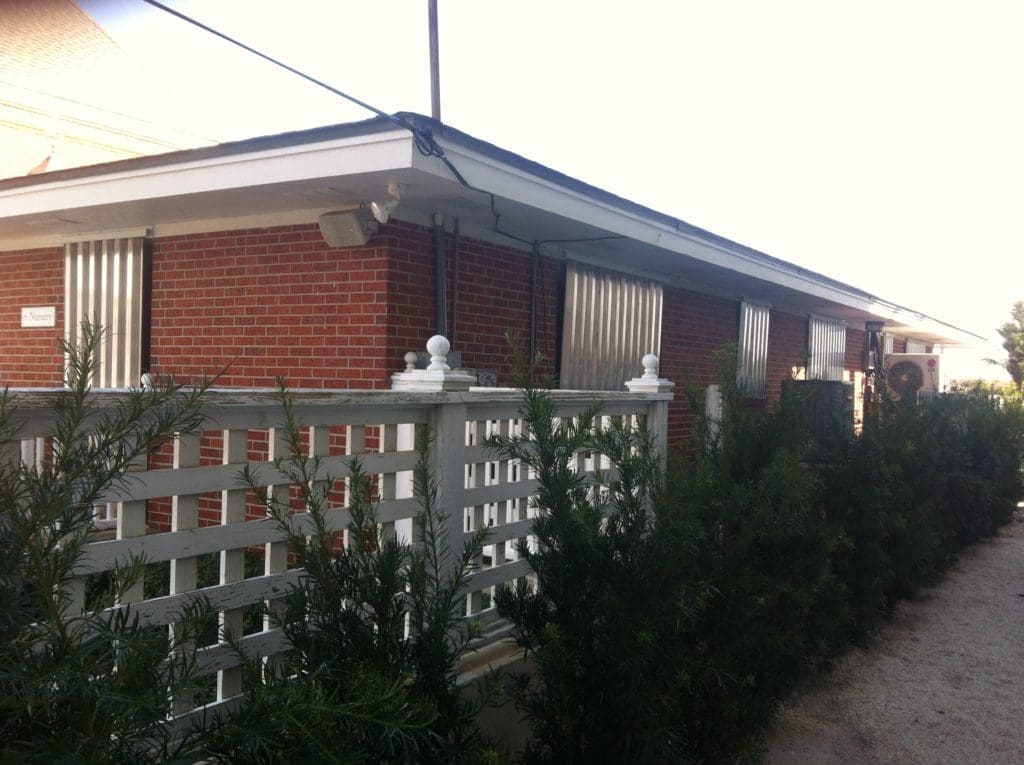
204 534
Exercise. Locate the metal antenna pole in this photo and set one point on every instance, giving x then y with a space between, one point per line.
435 75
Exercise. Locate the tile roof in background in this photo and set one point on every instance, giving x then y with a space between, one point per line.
69 96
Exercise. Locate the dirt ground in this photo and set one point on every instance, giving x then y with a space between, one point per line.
942 683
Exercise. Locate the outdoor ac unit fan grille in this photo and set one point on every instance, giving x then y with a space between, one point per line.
910 375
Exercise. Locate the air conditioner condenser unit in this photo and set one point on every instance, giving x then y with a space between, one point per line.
910 376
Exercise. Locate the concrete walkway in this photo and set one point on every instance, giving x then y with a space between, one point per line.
942 683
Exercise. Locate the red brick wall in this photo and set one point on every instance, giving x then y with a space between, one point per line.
29 356
856 344
260 303
493 287
280 301
272 302
899 345
693 327
787 348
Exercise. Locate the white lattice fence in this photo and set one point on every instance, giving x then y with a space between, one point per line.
193 508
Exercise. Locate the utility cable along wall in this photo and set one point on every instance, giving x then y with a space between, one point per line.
213 518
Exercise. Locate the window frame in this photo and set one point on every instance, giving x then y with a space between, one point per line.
826 348
752 348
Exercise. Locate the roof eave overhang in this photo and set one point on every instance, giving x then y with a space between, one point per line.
200 171
379 147
680 239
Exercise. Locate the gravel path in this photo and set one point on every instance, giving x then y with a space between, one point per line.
943 683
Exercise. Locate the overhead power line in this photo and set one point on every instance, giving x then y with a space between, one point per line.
425 142
297 72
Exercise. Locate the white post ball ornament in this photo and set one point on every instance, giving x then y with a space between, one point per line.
649 381
650 362
438 347
437 377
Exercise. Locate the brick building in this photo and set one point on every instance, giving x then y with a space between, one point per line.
325 255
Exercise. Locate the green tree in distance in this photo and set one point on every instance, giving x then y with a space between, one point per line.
1012 333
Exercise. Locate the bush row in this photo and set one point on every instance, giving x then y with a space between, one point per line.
673 610
671 631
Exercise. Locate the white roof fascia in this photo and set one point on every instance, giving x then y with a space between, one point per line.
503 180
913 324
517 185
351 155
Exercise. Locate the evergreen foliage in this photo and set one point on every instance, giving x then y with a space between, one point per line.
918 485
1012 333
612 595
92 687
670 613
375 629
764 548
671 616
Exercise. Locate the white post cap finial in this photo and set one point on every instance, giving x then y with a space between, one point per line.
147 381
650 364
437 377
438 347
650 382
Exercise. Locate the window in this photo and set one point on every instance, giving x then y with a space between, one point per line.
106 282
826 348
612 320
916 346
752 361
887 348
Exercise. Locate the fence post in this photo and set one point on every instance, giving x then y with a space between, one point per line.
235 449
448 426
184 571
657 409
131 522
448 469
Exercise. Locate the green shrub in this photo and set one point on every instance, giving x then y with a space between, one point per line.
918 485
92 687
613 604
765 549
670 631
375 630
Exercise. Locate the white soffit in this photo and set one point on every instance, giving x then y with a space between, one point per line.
392 151
352 155
515 184
512 183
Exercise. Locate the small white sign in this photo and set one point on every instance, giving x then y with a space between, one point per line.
39 316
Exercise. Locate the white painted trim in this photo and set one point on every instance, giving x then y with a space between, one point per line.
822 317
239 223
348 156
622 269
97 236
392 150
515 184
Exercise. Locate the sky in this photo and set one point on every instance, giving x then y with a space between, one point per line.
879 143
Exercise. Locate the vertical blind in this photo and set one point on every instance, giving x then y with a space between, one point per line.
611 321
826 346
104 284
752 364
